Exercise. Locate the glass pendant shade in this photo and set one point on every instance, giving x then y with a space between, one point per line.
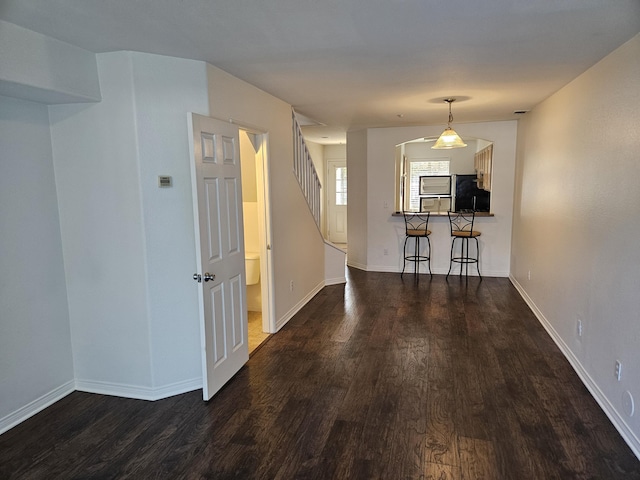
449 139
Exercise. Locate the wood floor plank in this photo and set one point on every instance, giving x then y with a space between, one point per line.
384 378
477 459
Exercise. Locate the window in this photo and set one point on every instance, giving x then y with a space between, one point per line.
415 169
341 186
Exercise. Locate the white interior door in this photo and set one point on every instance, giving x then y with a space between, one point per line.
337 201
217 190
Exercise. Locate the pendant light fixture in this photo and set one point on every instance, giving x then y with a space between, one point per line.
449 138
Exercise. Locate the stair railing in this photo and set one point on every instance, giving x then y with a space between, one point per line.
305 171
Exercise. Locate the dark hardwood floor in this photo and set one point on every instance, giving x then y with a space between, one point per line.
378 379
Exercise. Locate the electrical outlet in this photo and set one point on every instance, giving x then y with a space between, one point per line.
385 205
579 328
291 286
618 371
529 275
386 251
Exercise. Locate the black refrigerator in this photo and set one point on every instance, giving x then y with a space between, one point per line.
468 195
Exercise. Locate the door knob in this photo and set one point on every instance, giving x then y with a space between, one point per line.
208 276
197 277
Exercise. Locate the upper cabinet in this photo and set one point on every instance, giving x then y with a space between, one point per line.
482 164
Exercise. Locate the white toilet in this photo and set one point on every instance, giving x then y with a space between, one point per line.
252 267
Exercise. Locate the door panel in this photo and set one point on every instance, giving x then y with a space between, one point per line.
237 322
234 214
220 250
213 214
216 297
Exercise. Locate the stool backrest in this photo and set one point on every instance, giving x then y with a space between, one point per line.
416 222
461 221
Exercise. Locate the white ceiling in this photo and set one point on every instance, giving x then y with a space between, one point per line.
352 64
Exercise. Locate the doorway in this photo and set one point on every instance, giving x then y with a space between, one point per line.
337 202
257 243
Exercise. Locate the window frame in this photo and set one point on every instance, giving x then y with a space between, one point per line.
409 174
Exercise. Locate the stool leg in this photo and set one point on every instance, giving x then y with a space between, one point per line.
466 259
462 256
478 257
416 263
404 256
453 241
429 256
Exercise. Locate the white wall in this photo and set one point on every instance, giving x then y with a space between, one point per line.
95 155
128 245
118 310
335 152
383 231
43 69
36 365
357 198
248 168
297 246
576 225
166 88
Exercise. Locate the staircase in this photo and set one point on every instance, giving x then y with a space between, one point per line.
305 171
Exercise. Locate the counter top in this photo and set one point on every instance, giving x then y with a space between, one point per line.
444 214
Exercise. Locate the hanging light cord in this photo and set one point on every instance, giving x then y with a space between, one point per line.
450 101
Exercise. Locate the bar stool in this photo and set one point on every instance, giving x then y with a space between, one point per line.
462 229
416 226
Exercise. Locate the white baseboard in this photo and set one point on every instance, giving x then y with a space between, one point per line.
39 404
614 416
298 306
381 268
335 281
136 391
359 266
435 271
